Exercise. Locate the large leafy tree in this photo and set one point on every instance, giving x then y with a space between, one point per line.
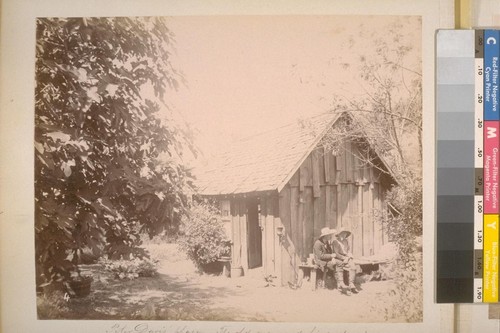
108 160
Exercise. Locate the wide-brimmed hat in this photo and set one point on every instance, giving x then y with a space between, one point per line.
327 231
346 232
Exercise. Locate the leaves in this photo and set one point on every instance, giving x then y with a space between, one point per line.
131 269
204 239
95 130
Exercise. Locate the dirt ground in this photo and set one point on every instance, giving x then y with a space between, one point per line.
178 292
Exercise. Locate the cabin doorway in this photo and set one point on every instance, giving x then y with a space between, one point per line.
254 235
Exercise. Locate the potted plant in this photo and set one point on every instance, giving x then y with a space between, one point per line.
80 285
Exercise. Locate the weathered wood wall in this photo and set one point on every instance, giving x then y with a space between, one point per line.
239 251
268 221
327 190
336 192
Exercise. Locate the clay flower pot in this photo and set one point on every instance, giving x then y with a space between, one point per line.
80 285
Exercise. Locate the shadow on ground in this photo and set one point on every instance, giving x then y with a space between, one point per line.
178 292
162 297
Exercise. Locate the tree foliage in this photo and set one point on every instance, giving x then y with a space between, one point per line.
389 117
381 107
108 161
387 114
388 104
386 118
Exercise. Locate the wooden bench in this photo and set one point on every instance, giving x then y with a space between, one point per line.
312 270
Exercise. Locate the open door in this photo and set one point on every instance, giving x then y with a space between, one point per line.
254 240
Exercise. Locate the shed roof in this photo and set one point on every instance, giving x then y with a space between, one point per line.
266 161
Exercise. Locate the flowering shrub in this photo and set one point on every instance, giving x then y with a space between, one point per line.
131 269
202 235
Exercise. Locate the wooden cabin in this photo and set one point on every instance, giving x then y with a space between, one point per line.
278 189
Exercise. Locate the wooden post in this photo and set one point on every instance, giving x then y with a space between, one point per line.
244 235
286 247
277 241
263 227
235 219
270 237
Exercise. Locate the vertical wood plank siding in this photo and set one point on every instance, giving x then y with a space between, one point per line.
319 212
308 221
326 162
296 229
327 190
349 193
315 156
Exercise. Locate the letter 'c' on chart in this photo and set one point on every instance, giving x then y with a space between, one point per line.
491 40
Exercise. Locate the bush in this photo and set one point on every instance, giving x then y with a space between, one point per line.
203 238
408 292
131 269
403 223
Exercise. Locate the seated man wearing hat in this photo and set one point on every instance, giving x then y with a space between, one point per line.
344 262
323 252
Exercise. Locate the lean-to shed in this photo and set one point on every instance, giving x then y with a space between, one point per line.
278 189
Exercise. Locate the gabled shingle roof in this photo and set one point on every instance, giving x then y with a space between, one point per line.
266 161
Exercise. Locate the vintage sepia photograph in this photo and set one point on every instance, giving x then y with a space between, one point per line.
235 168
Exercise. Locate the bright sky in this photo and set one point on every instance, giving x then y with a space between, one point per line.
246 74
